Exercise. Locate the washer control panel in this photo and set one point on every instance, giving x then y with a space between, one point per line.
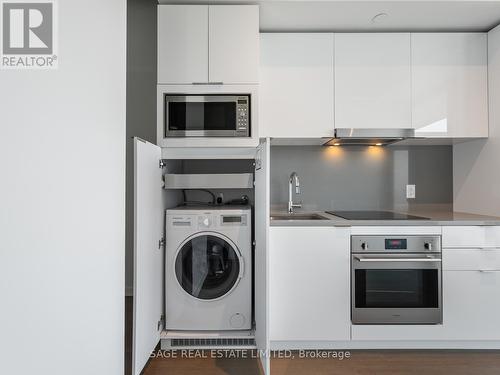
208 220
205 222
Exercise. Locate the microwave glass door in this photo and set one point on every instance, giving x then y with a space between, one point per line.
396 288
201 116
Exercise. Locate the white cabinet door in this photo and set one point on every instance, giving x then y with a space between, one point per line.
450 84
372 80
296 85
148 258
262 213
309 283
484 237
234 43
471 305
182 43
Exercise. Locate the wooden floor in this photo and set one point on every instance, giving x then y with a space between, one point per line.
418 362
361 362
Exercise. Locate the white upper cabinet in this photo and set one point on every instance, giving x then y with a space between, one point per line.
450 84
296 85
205 44
372 80
182 43
234 43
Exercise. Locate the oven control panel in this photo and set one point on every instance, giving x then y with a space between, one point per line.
397 244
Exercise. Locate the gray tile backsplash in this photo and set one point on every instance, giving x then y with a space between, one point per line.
353 178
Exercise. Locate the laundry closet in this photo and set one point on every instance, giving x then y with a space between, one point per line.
201 192
200 260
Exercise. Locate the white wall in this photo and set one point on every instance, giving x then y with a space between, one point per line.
62 195
477 163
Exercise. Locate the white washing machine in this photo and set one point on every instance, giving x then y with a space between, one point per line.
208 268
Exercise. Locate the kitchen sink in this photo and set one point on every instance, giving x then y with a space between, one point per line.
298 217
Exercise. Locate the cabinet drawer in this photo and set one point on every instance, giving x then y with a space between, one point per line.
471 259
471 236
471 306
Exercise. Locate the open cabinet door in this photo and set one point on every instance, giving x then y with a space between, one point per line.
148 256
262 214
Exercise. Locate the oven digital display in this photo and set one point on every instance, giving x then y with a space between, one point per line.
395 244
231 219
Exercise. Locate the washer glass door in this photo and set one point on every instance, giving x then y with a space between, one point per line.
207 267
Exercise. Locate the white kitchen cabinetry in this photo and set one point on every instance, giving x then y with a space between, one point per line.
208 44
148 259
487 237
471 304
471 259
233 43
309 283
471 282
296 85
372 80
450 84
262 266
182 43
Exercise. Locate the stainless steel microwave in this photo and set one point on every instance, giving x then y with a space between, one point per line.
210 115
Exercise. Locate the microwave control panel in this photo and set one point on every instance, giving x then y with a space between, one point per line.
243 114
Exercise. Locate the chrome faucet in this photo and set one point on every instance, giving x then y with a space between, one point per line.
292 205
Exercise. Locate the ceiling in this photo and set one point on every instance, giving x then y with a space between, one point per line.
349 16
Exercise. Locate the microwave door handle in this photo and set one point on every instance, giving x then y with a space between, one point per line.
431 260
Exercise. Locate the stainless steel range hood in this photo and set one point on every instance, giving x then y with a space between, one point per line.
369 137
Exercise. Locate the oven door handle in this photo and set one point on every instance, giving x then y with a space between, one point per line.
373 259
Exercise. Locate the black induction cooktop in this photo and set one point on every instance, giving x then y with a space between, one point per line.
374 215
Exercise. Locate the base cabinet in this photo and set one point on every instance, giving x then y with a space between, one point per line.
309 283
471 305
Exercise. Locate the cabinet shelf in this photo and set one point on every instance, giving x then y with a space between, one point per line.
209 181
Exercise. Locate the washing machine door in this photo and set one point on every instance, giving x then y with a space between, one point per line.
208 266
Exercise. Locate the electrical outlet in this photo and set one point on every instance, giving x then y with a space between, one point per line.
410 191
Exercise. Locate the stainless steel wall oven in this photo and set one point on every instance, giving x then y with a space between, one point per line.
396 280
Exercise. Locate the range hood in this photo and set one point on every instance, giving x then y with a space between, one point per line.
369 137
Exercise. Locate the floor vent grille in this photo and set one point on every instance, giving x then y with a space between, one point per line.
211 342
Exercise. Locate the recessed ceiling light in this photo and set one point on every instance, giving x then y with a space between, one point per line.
379 18
378 144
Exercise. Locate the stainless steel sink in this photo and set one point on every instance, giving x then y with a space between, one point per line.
298 217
